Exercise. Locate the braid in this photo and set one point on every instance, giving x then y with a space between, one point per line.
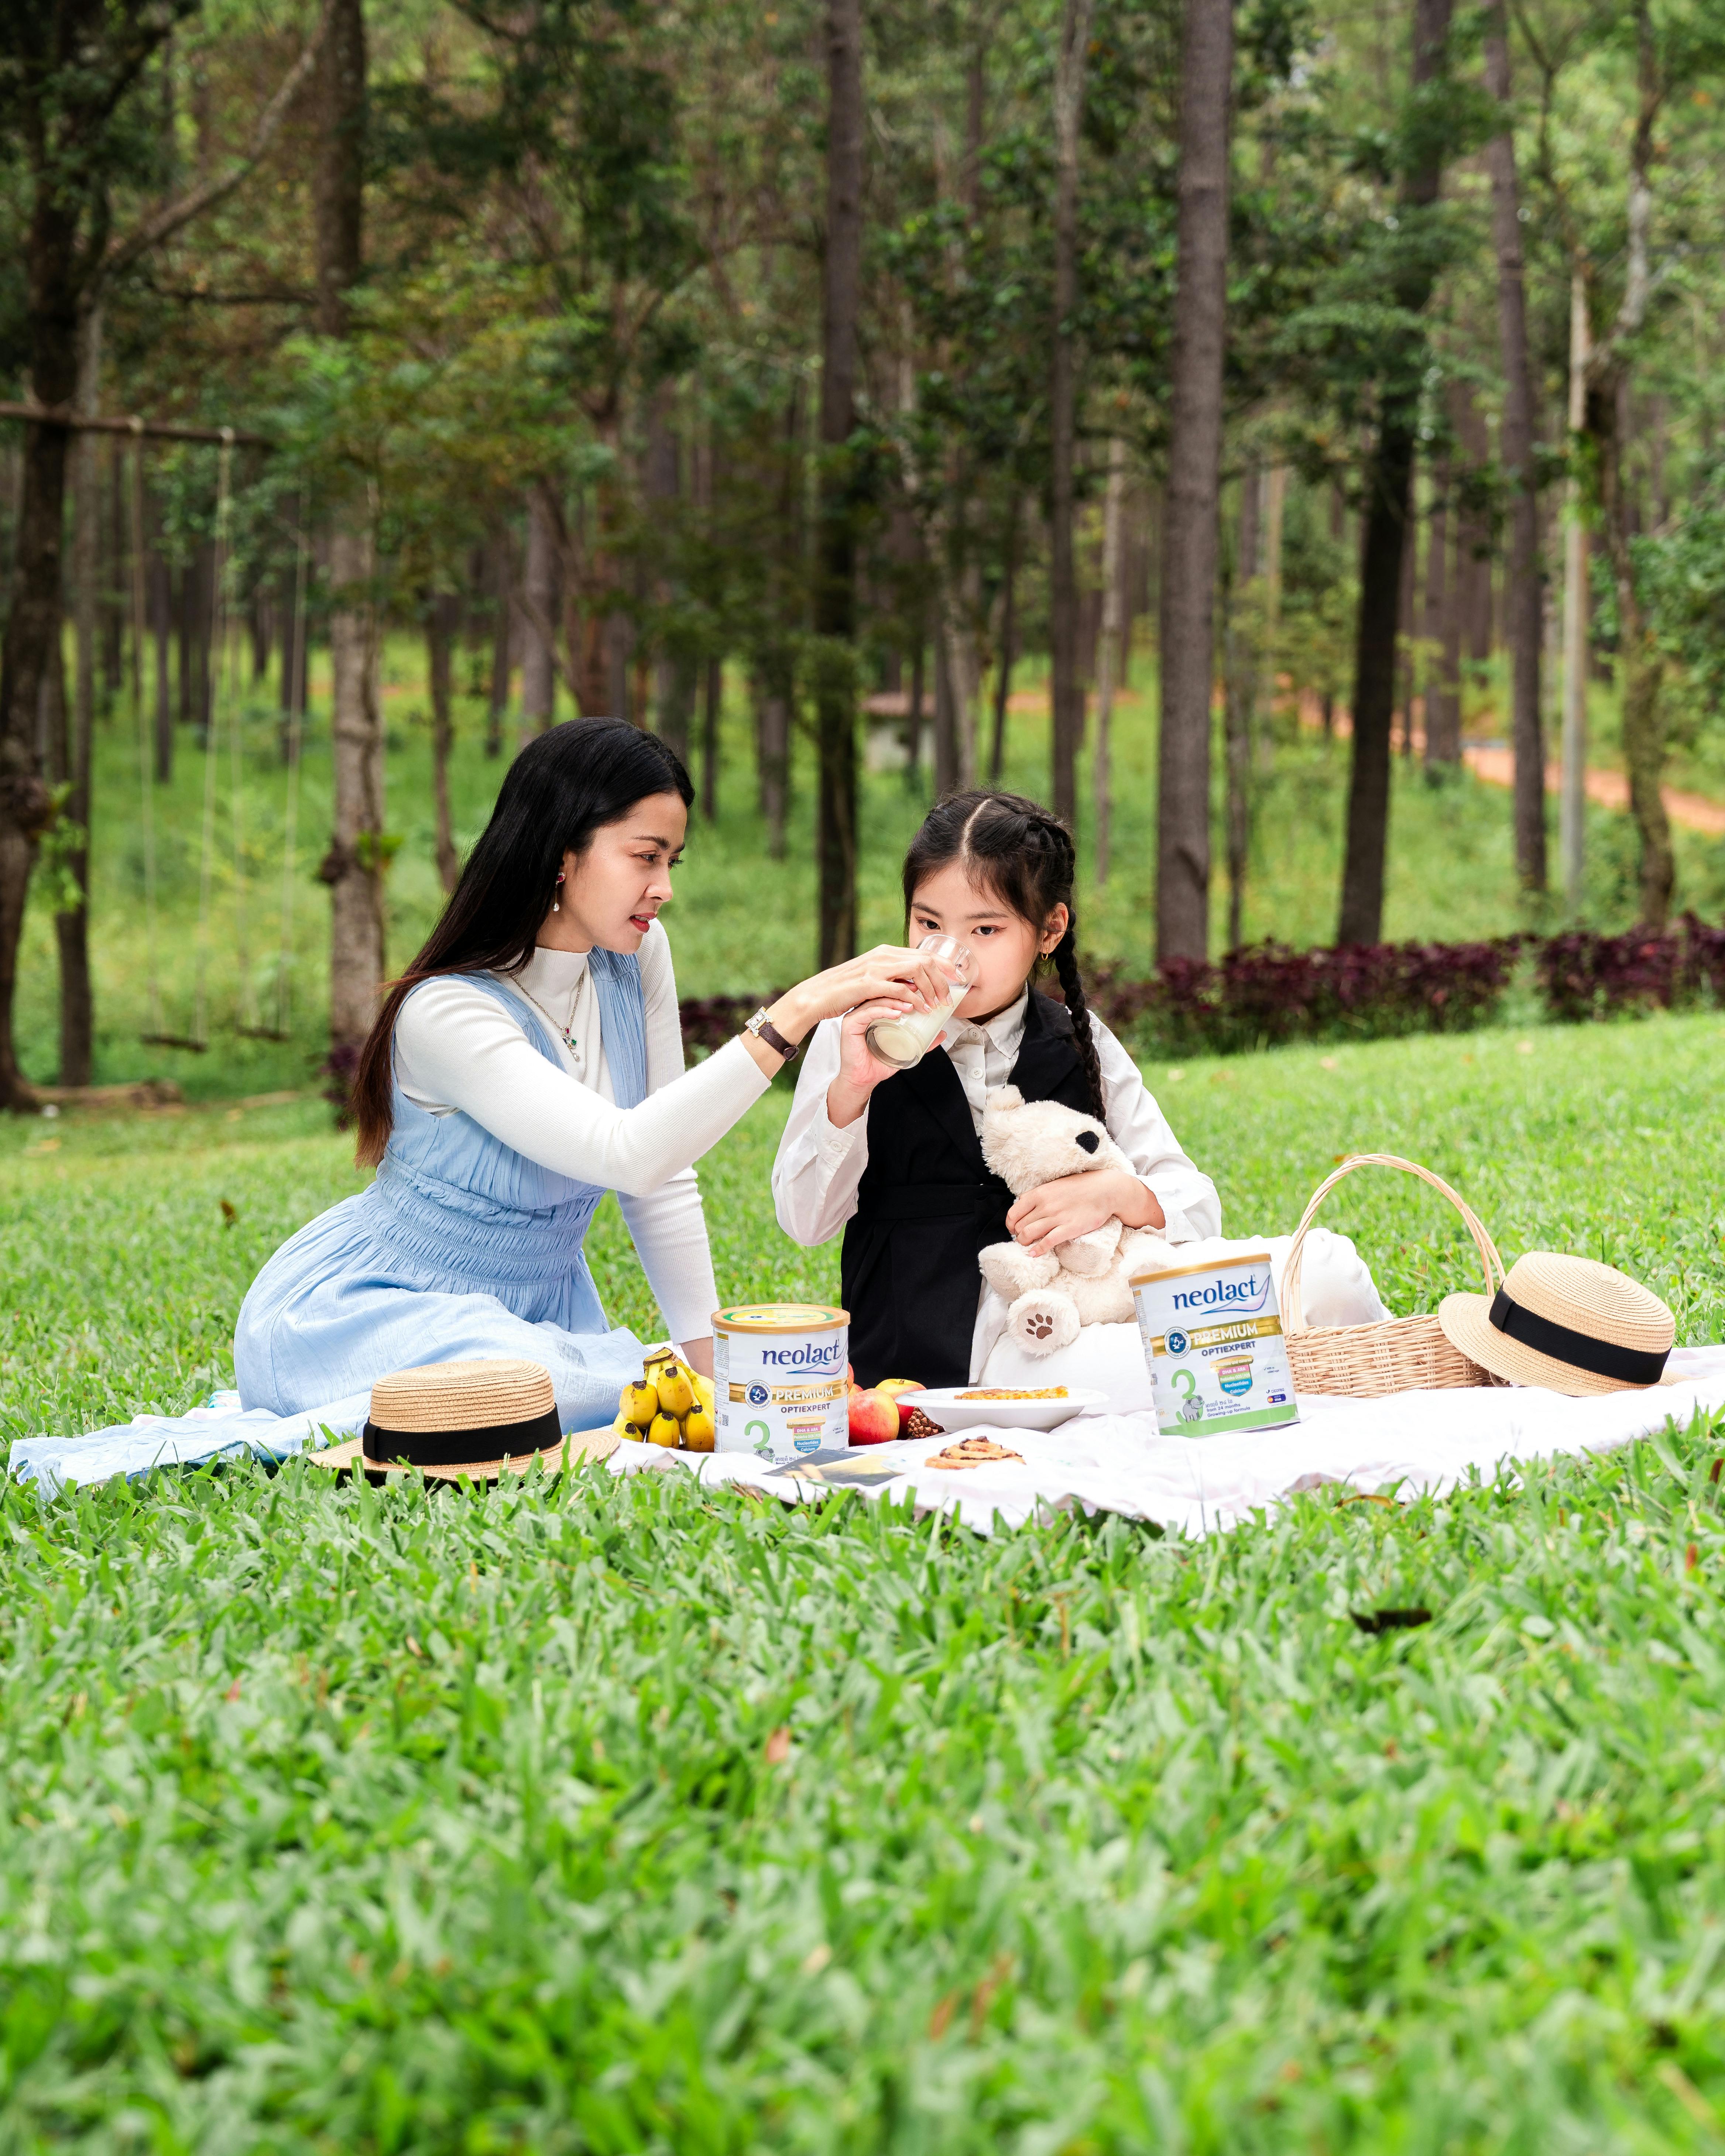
1065 963
1026 856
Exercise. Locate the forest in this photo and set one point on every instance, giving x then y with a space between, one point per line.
1126 398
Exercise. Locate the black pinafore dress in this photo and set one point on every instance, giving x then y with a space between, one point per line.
928 1205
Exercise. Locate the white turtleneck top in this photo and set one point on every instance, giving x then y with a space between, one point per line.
457 1048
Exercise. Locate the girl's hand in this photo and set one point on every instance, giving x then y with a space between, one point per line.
859 1072
1044 1218
889 973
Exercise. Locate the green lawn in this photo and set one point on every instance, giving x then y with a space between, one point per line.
620 1817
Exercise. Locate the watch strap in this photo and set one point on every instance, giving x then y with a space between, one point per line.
764 1029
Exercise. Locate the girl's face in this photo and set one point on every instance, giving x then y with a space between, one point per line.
611 894
1003 944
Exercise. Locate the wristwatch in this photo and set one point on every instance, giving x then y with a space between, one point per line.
764 1030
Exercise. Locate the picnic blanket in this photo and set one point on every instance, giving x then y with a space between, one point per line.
1408 1442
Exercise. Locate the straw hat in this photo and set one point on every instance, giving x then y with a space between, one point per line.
1567 1323
447 1419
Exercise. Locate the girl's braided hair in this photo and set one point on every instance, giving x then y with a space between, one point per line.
1016 849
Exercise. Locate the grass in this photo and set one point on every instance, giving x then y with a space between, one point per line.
618 1817
608 1817
740 923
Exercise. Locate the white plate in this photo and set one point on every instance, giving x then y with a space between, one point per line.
943 1403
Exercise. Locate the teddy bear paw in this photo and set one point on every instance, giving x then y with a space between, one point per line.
1041 1323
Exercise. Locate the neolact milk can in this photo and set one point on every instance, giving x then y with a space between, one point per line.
779 1371
1213 1341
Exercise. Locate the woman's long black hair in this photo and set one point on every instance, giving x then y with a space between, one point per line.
564 786
1015 849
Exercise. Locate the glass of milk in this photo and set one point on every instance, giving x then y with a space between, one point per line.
903 1042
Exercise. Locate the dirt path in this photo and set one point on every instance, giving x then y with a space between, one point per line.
1609 788
1496 765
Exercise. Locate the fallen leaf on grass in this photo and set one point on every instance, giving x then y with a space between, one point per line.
1389 1620
779 1747
816 1959
41 1145
229 1214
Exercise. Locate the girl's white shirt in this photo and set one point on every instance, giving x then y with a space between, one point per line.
456 1048
817 1167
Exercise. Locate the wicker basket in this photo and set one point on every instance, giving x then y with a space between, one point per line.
1402 1354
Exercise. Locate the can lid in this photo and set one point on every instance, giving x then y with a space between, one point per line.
781 1318
1209 1265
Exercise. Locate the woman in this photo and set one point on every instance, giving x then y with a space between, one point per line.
529 1060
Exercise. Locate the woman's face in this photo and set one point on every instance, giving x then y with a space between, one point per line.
612 893
1003 945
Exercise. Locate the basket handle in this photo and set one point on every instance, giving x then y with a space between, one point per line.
1293 1317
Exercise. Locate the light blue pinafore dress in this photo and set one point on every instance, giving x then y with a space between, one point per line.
460 1247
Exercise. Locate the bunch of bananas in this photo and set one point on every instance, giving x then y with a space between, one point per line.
672 1405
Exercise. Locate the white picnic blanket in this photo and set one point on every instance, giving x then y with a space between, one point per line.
1410 1441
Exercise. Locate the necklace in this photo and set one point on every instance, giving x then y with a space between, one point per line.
566 1031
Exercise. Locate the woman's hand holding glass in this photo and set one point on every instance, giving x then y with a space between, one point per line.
891 980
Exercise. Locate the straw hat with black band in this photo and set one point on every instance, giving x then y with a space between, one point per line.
479 1419
1570 1324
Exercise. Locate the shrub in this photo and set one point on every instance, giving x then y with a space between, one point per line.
1267 994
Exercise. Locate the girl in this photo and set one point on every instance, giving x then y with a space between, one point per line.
895 1157
529 1060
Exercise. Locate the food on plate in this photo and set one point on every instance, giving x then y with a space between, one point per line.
972 1452
873 1418
1016 1392
896 1389
918 1424
669 1404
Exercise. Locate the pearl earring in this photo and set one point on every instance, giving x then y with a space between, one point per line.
556 904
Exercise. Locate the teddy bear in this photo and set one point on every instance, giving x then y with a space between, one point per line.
1087 1280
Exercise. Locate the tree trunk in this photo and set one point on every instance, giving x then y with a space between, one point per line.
1516 447
836 567
539 584
354 866
1240 695
185 617
1190 548
113 599
502 629
1640 665
1385 538
946 722
1404 622
913 737
161 608
1009 643
773 731
33 628
1573 807
72 926
441 619
714 698
1439 587
1111 655
1066 690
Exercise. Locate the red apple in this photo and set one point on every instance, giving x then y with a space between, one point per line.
873 1418
898 1390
